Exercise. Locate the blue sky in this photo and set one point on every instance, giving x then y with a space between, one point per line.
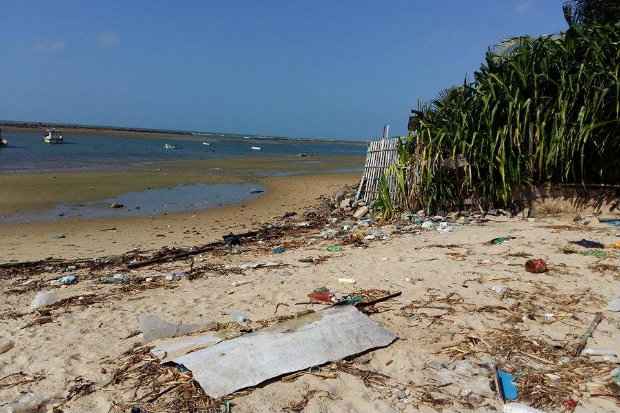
319 68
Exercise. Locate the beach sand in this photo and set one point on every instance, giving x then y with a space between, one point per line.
71 238
450 308
21 191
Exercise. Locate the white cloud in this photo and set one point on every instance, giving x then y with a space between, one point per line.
108 39
523 6
49 45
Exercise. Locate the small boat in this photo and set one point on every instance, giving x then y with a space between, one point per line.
246 137
3 142
169 147
256 148
206 144
53 136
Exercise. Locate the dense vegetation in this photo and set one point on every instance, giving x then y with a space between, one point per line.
539 110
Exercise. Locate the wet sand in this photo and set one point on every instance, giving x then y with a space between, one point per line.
101 237
20 192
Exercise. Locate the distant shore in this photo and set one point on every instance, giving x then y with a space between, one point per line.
11 126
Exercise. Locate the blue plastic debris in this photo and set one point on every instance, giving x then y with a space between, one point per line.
278 250
507 388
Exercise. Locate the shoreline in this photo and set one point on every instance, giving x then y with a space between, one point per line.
73 238
40 190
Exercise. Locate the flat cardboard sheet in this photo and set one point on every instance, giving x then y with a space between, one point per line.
312 340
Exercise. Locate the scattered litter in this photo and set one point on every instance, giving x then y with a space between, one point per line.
428 225
6 345
520 408
255 265
500 240
313 260
376 233
240 283
322 295
583 340
548 316
615 376
361 212
346 280
536 266
334 248
614 305
444 227
66 280
115 279
308 341
499 289
588 244
44 298
610 354
239 316
278 250
615 245
505 385
232 240
116 205
328 233
176 276
27 403
594 253
153 328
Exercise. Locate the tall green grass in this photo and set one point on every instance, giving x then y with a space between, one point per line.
542 110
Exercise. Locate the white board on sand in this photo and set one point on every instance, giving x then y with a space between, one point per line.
321 337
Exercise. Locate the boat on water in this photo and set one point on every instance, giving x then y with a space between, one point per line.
53 136
3 142
169 147
206 144
256 148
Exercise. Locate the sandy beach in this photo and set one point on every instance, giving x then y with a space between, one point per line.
465 305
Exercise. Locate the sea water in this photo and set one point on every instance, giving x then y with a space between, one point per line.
28 152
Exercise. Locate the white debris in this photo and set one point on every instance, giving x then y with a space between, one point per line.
346 280
44 298
614 305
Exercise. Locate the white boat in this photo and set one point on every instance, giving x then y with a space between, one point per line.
4 142
246 137
256 148
169 147
206 144
52 136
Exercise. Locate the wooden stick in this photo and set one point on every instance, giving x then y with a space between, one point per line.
380 299
584 338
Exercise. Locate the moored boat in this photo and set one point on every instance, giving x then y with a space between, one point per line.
256 148
53 136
